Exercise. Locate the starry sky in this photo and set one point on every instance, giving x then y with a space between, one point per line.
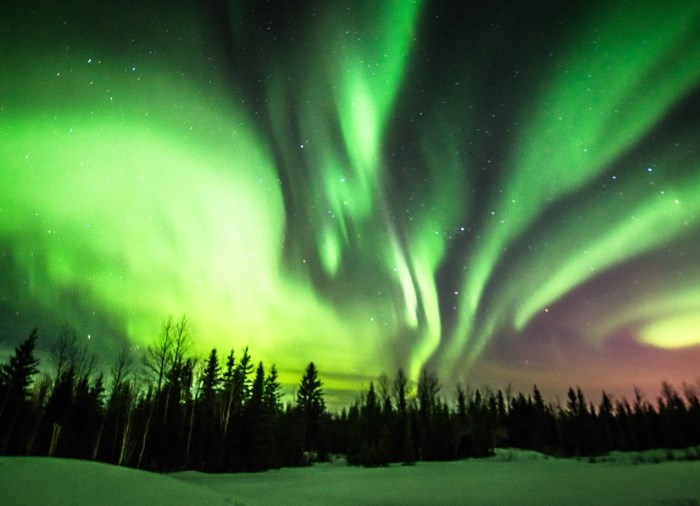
507 194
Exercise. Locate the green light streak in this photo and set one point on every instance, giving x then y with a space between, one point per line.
364 68
637 220
595 106
431 230
651 224
371 75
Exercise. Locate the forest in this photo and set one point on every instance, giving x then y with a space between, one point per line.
167 410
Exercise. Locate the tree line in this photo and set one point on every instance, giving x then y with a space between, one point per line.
383 426
171 411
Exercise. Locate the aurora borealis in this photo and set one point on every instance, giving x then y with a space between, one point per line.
505 194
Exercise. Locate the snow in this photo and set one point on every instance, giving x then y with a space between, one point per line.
511 477
45 480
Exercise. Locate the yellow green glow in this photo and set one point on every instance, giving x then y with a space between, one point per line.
678 331
149 226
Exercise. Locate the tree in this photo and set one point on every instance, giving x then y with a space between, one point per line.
115 425
373 447
403 441
83 430
165 360
400 392
311 407
428 389
227 380
122 368
211 377
158 355
273 410
68 353
16 376
258 428
207 442
241 380
15 379
236 387
59 408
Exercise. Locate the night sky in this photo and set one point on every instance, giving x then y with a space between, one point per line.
507 194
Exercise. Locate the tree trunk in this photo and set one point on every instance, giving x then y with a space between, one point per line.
189 435
125 437
55 435
144 440
96 446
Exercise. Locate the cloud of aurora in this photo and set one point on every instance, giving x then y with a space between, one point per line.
369 185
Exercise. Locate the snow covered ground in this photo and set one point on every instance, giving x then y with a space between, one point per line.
512 477
49 481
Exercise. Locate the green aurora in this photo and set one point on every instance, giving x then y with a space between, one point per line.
370 185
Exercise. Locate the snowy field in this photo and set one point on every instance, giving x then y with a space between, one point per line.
512 477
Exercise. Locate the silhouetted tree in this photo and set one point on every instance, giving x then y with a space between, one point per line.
372 445
69 353
258 426
188 414
59 409
211 377
169 370
311 407
404 447
117 408
239 395
428 388
16 377
272 388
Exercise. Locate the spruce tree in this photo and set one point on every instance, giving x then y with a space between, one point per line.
271 394
15 379
16 376
311 407
256 445
59 409
404 446
211 377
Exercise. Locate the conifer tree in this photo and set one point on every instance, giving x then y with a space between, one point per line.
311 407
16 376
59 410
15 379
227 401
372 451
211 378
271 394
258 424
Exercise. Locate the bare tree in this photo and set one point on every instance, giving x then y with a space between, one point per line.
69 353
64 350
122 368
181 346
158 356
119 372
182 340
166 354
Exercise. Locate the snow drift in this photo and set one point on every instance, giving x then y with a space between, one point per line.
511 477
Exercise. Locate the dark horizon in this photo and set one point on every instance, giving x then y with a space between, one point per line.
169 412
